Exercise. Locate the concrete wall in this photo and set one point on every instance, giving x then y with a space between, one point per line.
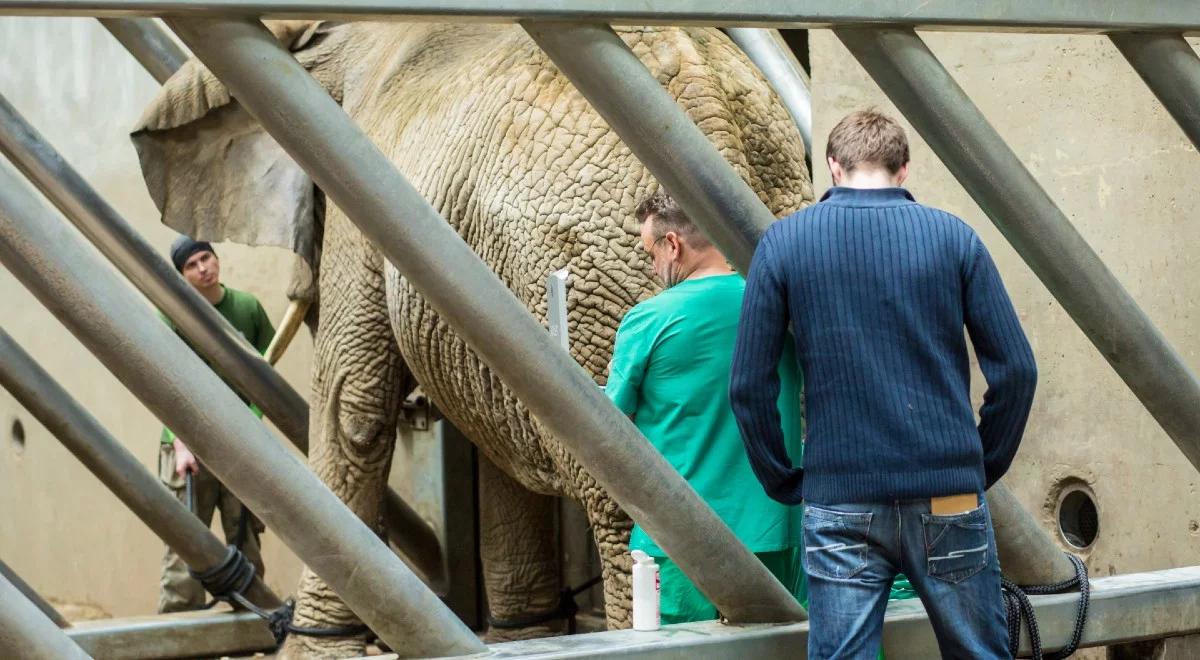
1075 113
59 527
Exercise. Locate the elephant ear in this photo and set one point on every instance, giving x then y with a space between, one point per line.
216 175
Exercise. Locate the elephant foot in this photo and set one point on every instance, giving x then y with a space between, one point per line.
302 647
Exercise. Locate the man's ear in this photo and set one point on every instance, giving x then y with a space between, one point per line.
835 170
676 243
902 175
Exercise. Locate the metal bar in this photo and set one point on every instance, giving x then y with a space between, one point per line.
302 117
1123 608
987 168
25 632
658 132
33 596
205 634
151 45
106 315
199 321
1027 553
114 465
778 64
229 352
1169 66
1021 15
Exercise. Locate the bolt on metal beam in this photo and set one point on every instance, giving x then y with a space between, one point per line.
1171 69
151 45
351 170
114 465
778 64
1012 15
27 633
903 66
226 349
658 132
106 316
33 596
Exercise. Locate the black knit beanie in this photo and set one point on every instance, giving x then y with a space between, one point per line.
184 247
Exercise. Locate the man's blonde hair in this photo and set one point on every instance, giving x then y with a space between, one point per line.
868 137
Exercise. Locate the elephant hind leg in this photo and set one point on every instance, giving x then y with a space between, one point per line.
611 527
519 553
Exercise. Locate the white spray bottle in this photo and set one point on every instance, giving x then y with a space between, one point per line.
645 592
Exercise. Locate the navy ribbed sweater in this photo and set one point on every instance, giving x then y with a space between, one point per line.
878 289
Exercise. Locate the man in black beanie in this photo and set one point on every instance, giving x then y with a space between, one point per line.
199 265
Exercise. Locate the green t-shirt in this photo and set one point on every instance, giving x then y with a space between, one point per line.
247 316
670 372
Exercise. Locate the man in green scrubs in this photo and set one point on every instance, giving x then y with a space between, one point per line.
670 374
199 265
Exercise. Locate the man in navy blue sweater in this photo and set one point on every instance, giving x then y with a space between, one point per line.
877 290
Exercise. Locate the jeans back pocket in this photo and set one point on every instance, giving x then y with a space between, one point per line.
835 542
956 546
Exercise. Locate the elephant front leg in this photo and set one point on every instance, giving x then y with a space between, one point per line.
519 553
353 457
359 379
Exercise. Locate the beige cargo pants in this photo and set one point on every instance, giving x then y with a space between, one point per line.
178 591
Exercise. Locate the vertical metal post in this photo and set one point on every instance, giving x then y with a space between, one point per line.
920 86
658 132
778 64
556 308
107 317
352 171
33 596
114 465
25 632
151 45
1171 69
205 328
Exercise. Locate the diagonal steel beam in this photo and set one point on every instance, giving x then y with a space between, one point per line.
903 66
151 45
33 596
225 348
105 314
114 465
1013 15
1171 69
26 632
351 170
662 136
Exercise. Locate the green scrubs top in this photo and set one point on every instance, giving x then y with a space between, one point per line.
670 373
244 313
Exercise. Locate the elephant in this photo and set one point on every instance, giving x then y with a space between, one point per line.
529 175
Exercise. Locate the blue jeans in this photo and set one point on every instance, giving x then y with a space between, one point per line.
852 552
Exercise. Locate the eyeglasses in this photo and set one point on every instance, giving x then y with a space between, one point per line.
652 245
